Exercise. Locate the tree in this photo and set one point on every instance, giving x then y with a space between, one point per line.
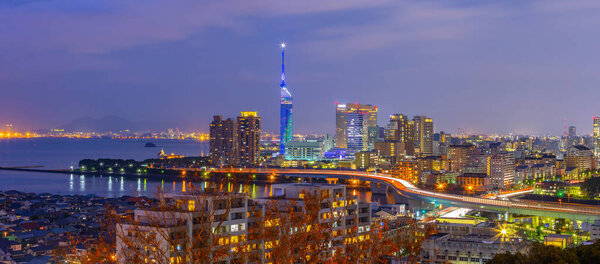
591 186
509 258
194 229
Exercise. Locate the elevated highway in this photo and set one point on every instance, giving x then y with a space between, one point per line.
586 213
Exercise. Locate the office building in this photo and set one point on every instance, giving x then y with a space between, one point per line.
352 125
366 159
423 135
222 141
597 136
286 109
501 170
400 129
572 132
304 150
248 143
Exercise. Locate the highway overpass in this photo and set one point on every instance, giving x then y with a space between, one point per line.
586 213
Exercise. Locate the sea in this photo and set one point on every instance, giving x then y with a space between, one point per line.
62 153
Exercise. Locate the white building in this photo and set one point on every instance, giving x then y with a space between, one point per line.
501 169
304 150
170 236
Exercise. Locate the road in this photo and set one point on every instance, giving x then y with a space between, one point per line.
580 212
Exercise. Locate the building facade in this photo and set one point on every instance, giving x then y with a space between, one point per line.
401 130
223 141
172 236
459 155
423 135
352 125
248 143
366 159
596 136
304 150
501 170
580 157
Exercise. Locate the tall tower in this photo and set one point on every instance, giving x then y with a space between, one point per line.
286 106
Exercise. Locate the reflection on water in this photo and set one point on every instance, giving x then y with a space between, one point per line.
141 186
82 183
71 183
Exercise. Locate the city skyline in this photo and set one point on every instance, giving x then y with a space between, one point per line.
464 65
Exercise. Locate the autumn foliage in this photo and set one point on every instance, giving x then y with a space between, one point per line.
197 229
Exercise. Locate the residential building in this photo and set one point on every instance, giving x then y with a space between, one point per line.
338 207
423 135
459 156
174 234
501 170
580 157
223 141
248 134
407 170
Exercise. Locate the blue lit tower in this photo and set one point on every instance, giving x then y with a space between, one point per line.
286 123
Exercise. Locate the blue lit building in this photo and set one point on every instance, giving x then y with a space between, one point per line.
286 108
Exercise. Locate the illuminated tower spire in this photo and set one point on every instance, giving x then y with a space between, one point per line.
286 105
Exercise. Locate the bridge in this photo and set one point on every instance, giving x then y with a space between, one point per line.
579 212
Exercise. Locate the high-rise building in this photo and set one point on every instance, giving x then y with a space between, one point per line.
352 123
501 169
572 132
286 108
248 143
222 141
401 130
580 157
423 134
597 136
459 156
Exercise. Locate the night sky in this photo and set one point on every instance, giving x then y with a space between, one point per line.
481 66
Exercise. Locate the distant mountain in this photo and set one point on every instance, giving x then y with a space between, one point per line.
110 124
